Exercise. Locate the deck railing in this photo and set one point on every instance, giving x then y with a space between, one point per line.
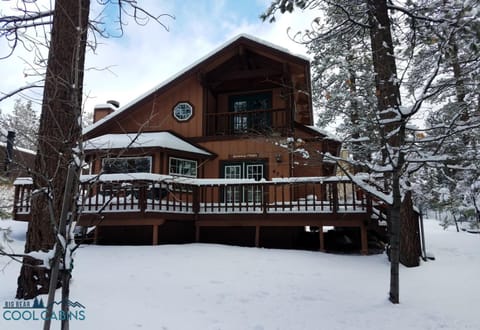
247 122
150 193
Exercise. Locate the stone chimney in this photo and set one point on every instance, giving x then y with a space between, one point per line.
102 110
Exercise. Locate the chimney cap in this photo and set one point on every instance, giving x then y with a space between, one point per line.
115 103
105 106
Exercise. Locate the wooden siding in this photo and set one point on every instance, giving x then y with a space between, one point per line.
248 149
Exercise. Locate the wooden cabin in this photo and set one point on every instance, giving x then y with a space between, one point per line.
223 152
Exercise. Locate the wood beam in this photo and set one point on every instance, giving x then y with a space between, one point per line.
95 235
215 79
364 239
155 235
242 55
321 238
197 233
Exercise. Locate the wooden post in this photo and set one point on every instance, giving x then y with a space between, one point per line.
16 199
196 199
322 238
334 188
257 236
197 233
95 234
363 233
155 235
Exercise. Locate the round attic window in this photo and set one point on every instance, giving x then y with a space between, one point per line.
183 111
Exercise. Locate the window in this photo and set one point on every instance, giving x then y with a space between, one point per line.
183 111
251 112
246 170
127 165
183 167
232 193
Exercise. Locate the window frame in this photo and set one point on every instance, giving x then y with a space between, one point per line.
183 160
182 103
105 159
247 117
253 194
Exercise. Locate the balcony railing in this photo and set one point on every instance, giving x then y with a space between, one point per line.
151 193
247 122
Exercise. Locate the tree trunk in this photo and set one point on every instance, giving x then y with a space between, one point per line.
395 240
387 89
410 247
59 132
388 97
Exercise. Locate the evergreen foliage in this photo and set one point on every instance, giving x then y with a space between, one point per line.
23 120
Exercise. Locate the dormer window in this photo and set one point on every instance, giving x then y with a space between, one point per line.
183 111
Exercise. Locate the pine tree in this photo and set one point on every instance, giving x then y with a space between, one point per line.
400 149
458 102
23 120
343 81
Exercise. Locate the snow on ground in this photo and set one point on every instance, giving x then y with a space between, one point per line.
201 286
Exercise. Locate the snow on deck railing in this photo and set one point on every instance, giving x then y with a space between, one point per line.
205 181
23 181
147 192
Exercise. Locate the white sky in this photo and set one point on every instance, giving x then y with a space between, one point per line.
147 55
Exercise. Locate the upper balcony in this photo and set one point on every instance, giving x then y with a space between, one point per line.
248 122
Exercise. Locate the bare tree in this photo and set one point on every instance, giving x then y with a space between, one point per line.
59 156
59 134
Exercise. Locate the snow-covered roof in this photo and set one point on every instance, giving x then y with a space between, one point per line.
142 140
105 106
325 132
28 151
186 69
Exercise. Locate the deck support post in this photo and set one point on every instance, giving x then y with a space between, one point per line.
197 233
257 236
364 239
95 235
155 235
322 239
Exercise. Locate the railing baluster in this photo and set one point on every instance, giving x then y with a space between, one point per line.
354 192
98 192
297 197
322 195
275 195
224 202
314 196
174 199
212 198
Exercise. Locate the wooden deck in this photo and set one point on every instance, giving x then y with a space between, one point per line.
151 200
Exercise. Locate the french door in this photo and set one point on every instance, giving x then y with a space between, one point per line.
244 170
251 112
